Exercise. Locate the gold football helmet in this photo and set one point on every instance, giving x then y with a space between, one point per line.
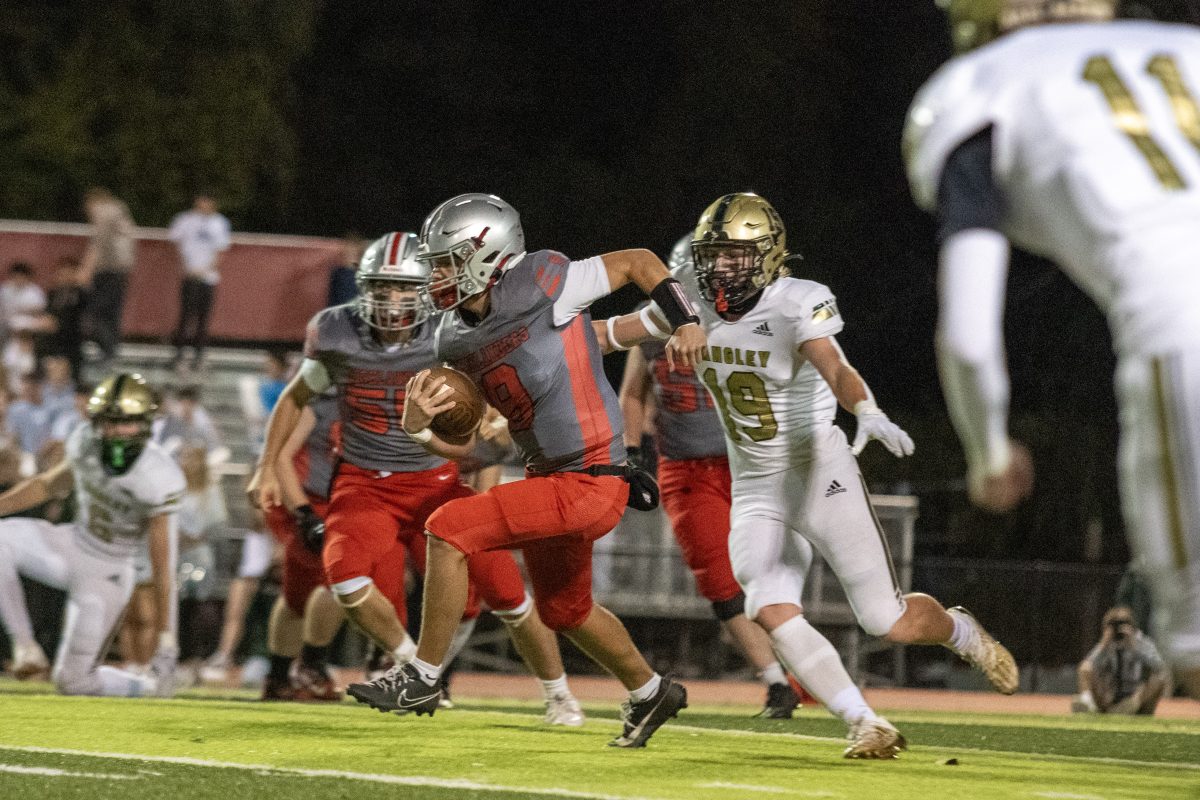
974 23
738 248
122 398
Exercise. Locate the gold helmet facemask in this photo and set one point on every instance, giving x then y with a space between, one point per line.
974 23
738 249
124 397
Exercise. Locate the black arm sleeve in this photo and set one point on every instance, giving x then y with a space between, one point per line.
967 193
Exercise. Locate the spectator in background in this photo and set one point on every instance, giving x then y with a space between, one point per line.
58 390
66 420
187 424
342 288
1124 673
20 358
275 374
30 417
62 324
202 236
8 439
258 395
106 266
21 300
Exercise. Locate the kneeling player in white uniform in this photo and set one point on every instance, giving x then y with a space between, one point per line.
1079 141
777 375
127 489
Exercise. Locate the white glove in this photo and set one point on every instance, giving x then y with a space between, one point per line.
874 424
162 666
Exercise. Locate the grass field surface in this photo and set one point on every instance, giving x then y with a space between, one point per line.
224 745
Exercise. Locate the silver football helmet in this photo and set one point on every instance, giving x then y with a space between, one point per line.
681 253
466 243
389 280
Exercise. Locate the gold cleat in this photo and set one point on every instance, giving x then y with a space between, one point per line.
874 738
989 656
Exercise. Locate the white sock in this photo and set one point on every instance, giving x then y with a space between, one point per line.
772 674
1086 696
429 672
14 614
113 682
811 658
461 635
556 687
646 690
965 635
405 651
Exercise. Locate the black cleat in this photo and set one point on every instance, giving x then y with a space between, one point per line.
644 718
781 702
399 689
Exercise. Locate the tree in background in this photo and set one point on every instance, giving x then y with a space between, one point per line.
153 100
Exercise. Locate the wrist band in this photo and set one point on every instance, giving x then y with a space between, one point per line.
424 435
674 303
650 323
612 336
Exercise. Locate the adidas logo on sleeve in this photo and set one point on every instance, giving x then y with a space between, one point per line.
763 330
834 488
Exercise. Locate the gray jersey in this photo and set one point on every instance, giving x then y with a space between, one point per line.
370 380
114 509
548 381
319 454
686 424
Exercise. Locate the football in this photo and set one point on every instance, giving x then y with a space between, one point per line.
456 425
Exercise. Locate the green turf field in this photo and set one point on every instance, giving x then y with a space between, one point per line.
225 746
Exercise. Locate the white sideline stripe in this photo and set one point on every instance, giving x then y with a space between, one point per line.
268 770
1068 796
50 772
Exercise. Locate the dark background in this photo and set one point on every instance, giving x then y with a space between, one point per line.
608 125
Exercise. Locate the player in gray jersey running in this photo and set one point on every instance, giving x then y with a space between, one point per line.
517 323
127 489
387 485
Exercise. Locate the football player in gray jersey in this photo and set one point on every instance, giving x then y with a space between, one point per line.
127 490
517 323
386 484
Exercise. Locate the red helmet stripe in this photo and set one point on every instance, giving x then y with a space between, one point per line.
395 246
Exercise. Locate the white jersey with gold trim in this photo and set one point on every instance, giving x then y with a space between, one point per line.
114 509
772 401
1096 152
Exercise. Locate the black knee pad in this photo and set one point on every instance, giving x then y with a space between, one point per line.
726 610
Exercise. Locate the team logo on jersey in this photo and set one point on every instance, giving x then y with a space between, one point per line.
763 330
824 311
834 488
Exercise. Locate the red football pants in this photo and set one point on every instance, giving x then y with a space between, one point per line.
302 568
696 496
553 519
375 519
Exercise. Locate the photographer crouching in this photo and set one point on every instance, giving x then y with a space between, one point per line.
1123 674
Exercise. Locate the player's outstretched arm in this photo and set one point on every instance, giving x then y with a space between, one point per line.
34 491
854 395
635 389
163 539
264 488
970 347
424 399
672 314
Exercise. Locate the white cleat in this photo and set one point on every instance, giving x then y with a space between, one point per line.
874 738
30 662
563 709
989 656
215 670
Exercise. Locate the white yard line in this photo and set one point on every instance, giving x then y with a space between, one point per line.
749 787
1067 796
269 770
50 772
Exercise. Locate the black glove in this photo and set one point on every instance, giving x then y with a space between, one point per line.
311 527
643 490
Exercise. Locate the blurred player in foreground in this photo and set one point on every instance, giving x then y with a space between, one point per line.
386 484
777 375
127 489
1079 141
693 474
517 324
